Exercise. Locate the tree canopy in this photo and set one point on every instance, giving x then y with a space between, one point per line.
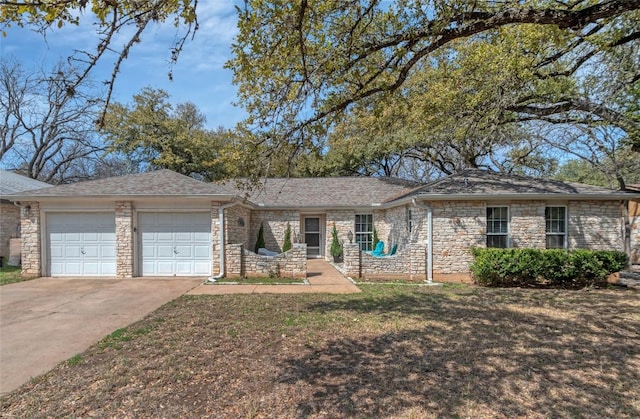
115 20
302 67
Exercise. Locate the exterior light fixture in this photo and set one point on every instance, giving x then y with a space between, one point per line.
350 236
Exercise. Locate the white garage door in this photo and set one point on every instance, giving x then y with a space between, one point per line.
82 244
175 244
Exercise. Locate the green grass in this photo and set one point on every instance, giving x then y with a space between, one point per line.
10 274
390 351
260 281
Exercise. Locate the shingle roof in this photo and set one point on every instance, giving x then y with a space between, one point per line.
157 183
327 192
473 182
11 183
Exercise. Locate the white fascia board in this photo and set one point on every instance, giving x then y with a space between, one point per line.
514 197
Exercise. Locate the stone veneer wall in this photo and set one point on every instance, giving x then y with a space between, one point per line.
527 224
345 222
457 226
9 227
596 225
30 231
275 224
124 239
242 262
634 231
409 263
392 227
238 223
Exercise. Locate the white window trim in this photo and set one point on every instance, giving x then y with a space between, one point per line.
566 225
372 226
508 233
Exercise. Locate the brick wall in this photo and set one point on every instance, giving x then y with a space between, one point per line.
9 227
124 239
30 225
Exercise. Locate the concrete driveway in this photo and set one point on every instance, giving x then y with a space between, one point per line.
48 320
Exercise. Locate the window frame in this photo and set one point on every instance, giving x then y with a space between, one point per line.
410 220
367 235
506 234
565 220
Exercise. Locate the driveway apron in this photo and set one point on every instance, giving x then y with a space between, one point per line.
48 320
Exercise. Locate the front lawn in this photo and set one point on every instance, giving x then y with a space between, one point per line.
390 351
10 274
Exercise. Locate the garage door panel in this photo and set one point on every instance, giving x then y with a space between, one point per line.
81 244
202 252
71 251
90 251
183 251
175 243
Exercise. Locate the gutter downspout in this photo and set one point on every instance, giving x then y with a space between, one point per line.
429 238
222 240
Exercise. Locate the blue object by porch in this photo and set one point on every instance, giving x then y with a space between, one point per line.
379 250
394 249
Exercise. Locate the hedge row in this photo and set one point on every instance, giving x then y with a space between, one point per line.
548 267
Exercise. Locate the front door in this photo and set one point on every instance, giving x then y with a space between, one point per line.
313 236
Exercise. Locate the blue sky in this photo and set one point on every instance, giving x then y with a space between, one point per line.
198 77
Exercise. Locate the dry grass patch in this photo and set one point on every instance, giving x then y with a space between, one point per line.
391 351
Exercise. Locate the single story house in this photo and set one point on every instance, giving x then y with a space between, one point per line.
165 224
11 183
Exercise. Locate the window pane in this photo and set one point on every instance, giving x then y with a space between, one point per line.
555 241
364 231
312 239
497 241
311 224
556 227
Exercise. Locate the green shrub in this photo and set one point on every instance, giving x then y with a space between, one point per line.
260 241
552 267
336 246
287 239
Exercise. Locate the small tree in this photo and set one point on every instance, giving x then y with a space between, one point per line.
287 239
336 246
375 237
260 240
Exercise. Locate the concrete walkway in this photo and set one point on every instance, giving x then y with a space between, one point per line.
48 320
322 278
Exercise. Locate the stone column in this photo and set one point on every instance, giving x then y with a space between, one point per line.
418 261
233 260
351 255
31 244
299 260
124 239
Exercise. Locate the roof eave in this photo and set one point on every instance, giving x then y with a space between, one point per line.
514 197
120 197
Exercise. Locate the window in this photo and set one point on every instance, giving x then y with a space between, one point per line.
364 231
410 220
556 227
498 227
